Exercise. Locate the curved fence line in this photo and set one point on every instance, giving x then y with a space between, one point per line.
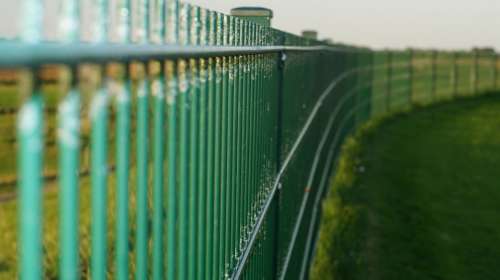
203 135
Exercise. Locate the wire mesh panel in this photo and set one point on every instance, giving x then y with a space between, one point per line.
156 139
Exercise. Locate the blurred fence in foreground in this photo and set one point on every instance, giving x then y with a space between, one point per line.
160 140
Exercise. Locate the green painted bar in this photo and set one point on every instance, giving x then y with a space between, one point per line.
193 168
234 181
30 155
183 163
172 156
139 34
239 141
142 170
224 152
229 148
156 32
158 93
211 187
99 180
69 156
202 173
122 174
193 145
172 37
217 169
203 163
29 132
69 142
183 146
246 160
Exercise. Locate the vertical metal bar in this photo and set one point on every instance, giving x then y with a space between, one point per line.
93 23
31 21
254 133
281 63
184 134
69 144
203 147
157 74
172 104
211 187
251 136
30 135
139 21
139 34
193 145
122 94
142 132
224 151
119 33
156 25
239 141
234 162
229 146
183 169
242 163
251 132
99 180
171 29
248 134
158 93
94 30
217 151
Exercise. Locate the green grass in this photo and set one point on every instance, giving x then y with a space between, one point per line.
417 197
51 211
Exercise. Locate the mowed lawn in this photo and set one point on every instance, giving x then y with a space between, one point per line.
417 197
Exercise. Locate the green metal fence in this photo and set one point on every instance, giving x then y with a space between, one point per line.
156 139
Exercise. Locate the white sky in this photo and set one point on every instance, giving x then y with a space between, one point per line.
445 24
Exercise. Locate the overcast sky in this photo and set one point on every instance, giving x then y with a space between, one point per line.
447 24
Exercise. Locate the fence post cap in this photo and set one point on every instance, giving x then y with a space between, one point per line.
259 15
310 34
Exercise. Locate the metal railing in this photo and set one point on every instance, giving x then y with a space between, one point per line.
161 140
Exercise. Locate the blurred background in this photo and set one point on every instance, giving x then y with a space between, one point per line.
444 24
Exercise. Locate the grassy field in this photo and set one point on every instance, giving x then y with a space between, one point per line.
417 197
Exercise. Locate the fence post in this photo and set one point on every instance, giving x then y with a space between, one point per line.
263 16
310 34
260 15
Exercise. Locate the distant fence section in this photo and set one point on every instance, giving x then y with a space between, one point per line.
155 139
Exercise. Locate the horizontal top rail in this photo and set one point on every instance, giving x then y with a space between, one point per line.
22 54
